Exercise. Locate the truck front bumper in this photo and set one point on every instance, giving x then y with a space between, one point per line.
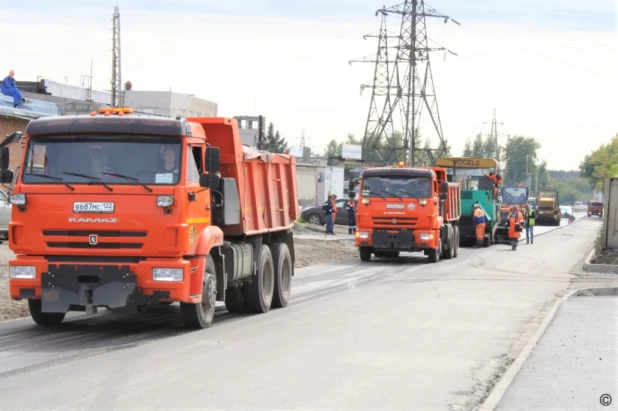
396 240
63 286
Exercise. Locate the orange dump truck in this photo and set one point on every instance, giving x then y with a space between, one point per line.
128 212
407 209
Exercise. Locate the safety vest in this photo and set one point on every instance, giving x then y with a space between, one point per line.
529 217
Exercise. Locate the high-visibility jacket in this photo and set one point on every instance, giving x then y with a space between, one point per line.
515 219
529 216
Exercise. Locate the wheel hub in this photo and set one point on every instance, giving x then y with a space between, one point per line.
210 293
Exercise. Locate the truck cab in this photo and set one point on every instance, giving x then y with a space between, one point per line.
121 212
595 208
407 210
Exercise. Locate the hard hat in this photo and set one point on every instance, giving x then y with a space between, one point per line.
476 206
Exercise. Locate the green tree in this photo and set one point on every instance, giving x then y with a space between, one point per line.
333 149
273 142
490 146
270 136
542 174
519 150
478 147
467 152
601 164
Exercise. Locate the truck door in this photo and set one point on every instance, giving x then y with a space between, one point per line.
198 209
5 212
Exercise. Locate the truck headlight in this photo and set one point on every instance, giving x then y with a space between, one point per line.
362 234
426 236
167 274
17 199
22 272
165 201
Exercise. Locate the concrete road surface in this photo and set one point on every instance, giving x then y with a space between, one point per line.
575 365
400 334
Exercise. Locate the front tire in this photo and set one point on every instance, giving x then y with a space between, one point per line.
259 293
41 318
283 274
456 241
434 253
365 253
200 316
449 250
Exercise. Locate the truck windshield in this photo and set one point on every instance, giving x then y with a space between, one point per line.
399 186
514 195
547 194
112 159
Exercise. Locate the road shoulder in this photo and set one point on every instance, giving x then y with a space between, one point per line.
570 362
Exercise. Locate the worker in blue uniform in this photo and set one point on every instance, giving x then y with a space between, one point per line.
9 88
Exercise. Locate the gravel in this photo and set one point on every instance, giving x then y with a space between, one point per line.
607 256
9 309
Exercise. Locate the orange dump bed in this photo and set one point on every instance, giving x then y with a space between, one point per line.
266 182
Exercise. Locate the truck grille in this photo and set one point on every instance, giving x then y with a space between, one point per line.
398 221
80 239
116 246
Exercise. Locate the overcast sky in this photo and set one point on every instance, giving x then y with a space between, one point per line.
550 68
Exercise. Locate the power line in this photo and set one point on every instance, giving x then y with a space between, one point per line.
550 10
404 85
543 55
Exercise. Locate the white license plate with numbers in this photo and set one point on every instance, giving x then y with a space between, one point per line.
90 207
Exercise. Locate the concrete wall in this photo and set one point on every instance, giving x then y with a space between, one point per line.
307 180
609 238
10 125
76 93
191 106
154 102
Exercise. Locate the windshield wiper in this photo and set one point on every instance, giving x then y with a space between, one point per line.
129 178
91 178
388 192
54 178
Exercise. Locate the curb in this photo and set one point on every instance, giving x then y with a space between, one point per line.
503 385
589 267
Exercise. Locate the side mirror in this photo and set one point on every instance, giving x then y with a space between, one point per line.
443 196
444 187
4 158
11 138
212 159
209 180
6 176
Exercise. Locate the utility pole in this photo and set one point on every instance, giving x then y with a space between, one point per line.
117 95
302 140
404 86
528 175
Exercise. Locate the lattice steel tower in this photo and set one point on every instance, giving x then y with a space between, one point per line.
117 95
405 85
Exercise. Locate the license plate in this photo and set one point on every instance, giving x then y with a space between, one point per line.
90 207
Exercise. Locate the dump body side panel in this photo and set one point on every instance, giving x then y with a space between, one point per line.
266 182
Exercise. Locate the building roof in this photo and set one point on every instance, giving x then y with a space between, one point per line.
32 109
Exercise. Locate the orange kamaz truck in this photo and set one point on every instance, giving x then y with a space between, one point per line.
407 210
124 212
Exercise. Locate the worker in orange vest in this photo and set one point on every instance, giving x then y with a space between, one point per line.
334 200
479 222
515 222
